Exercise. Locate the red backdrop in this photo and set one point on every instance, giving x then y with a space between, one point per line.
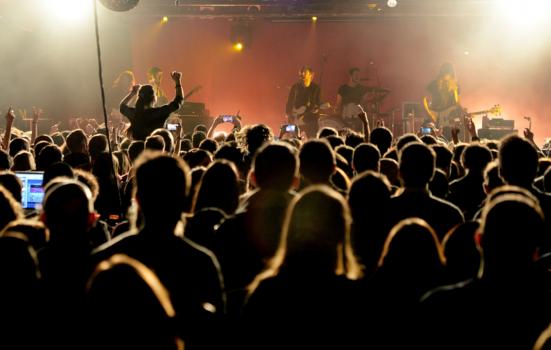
405 54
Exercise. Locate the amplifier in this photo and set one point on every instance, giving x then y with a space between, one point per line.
495 134
500 123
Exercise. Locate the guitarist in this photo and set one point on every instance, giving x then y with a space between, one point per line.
303 103
444 96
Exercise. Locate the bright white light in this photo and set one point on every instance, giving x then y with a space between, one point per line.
68 10
525 14
391 3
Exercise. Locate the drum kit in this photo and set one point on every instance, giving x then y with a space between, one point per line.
347 116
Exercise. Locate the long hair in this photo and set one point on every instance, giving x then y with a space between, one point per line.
316 226
127 74
146 97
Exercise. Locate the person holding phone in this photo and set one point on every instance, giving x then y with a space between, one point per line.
145 118
289 129
233 119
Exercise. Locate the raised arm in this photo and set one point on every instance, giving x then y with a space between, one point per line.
34 124
129 97
176 76
10 116
365 123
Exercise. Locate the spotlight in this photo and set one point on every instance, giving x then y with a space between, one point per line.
314 18
165 19
67 10
241 35
391 3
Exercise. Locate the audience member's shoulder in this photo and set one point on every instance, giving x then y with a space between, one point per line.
197 249
444 294
115 245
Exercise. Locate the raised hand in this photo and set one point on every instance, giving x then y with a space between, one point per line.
362 115
10 115
37 112
136 88
176 76
529 134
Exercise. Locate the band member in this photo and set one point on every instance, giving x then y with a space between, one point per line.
444 99
349 96
303 103
155 78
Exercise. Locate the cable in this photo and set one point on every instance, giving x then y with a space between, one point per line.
102 89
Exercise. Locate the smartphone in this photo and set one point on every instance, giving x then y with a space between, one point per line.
290 128
426 130
32 192
172 126
227 118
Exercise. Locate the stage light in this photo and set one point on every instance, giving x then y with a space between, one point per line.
68 10
525 15
241 36
467 53
314 18
391 3
165 19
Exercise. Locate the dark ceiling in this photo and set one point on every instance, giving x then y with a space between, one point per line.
304 9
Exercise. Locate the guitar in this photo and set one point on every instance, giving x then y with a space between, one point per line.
297 114
192 91
455 115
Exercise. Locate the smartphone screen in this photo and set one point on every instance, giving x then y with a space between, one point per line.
426 130
172 127
291 128
227 118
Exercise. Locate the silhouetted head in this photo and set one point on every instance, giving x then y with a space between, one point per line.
475 158
218 188
12 183
146 98
518 161
366 157
161 186
512 230
130 307
256 136
155 143
413 253
168 139
316 234
77 142
23 161
317 161
275 166
382 138
68 211
5 160
18 144
327 131
417 163
9 207
135 149
56 170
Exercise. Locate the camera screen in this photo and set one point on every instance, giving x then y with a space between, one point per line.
227 118
426 130
290 128
172 127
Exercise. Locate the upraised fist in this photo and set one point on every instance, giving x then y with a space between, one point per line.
176 76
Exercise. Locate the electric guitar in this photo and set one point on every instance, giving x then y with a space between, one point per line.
455 115
192 91
297 114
